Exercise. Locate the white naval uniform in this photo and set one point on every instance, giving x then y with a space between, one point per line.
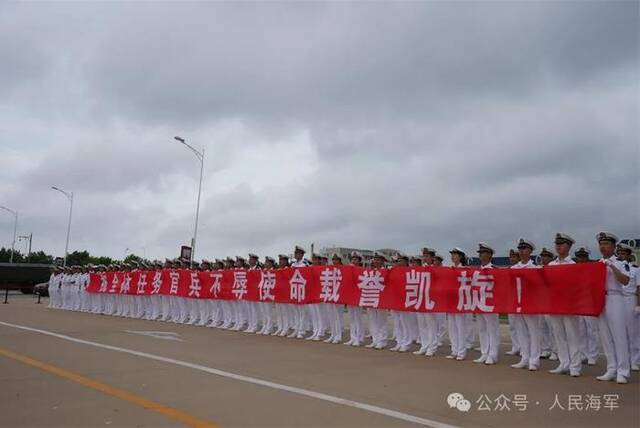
488 332
265 310
427 331
253 312
567 335
630 293
528 331
284 319
298 312
356 326
635 356
378 327
613 331
334 316
458 331
317 316
53 290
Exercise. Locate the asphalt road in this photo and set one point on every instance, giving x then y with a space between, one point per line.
60 368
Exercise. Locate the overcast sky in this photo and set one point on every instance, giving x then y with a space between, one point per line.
368 125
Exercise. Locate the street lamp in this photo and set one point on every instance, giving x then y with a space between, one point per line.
200 156
29 238
15 228
69 196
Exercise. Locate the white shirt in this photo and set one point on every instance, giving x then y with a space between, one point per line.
613 285
632 287
558 261
300 263
527 265
487 266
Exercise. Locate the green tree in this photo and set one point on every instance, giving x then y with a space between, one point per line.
101 260
5 255
133 258
40 257
80 258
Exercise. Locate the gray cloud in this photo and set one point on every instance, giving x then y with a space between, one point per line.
372 125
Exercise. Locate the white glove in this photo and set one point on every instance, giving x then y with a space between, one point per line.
636 310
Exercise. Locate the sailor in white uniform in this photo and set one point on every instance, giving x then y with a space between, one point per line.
589 326
566 327
548 347
488 324
458 323
378 317
228 313
315 310
514 258
613 320
334 311
284 314
266 308
630 293
356 324
527 326
428 322
300 311
253 310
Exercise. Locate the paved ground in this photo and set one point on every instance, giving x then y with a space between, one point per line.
190 379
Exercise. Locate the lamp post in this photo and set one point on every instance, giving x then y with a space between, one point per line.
15 228
200 156
29 238
69 196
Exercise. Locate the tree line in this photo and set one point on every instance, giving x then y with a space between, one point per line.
80 258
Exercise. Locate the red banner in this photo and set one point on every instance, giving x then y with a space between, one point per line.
565 289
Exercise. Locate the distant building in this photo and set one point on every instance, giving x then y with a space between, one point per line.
635 244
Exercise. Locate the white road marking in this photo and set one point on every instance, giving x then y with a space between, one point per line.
295 390
165 335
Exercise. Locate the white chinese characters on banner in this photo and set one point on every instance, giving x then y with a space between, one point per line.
371 284
473 292
194 285
174 276
114 284
330 282
239 288
156 282
142 282
126 285
297 285
104 284
266 285
214 290
417 290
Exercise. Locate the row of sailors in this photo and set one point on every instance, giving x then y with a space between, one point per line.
571 339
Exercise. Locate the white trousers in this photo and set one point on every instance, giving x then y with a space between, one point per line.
458 334
489 333
266 311
356 325
548 340
567 334
408 328
528 333
513 332
428 331
589 337
633 333
378 326
334 317
613 332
